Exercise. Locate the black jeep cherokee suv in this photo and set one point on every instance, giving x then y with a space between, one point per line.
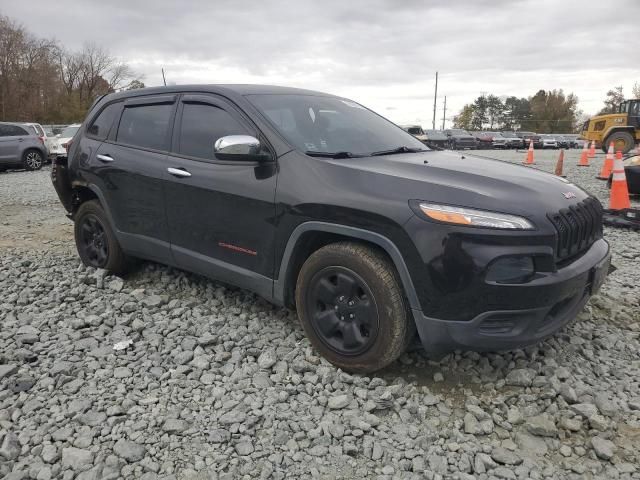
315 202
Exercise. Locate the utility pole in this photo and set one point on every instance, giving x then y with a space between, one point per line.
163 79
444 111
435 101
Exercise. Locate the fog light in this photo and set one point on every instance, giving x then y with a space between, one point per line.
511 270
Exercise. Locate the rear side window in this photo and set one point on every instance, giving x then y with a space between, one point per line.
101 125
12 131
39 130
145 126
201 126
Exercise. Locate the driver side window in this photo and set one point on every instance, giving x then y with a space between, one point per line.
201 126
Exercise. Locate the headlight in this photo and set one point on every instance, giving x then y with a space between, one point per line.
472 217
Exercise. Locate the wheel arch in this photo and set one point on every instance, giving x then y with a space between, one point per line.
41 150
82 193
309 236
621 128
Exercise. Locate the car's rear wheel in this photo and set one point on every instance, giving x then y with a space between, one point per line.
95 240
622 141
32 159
352 307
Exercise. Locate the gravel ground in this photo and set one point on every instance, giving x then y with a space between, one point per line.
213 382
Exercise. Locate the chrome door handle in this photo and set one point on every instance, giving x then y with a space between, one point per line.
178 172
104 158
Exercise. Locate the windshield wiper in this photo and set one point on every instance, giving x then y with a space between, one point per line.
312 153
402 149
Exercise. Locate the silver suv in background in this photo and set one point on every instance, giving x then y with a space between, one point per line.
21 147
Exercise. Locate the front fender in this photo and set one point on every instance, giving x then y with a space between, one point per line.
383 242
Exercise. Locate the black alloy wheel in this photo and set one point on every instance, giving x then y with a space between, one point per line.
93 241
343 311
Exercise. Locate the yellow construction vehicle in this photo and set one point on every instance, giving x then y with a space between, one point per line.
622 128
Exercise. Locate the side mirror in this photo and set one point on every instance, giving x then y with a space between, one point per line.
239 147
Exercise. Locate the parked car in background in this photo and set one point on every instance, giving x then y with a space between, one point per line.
563 142
416 131
40 132
21 147
63 140
548 140
528 137
436 139
513 140
575 140
498 141
483 140
458 138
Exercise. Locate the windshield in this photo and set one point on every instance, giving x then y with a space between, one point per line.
415 131
329 124
69 132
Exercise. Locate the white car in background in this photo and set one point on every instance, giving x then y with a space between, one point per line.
63 139
549 141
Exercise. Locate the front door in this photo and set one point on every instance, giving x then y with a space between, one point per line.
220 212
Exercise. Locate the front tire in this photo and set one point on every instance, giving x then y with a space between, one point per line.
95 240
622 141
352 307
32 159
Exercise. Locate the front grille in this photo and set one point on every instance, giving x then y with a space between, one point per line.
577 227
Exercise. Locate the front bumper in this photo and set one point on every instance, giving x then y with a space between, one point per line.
561 294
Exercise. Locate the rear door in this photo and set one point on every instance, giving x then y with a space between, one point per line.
221 216
128 166
11 140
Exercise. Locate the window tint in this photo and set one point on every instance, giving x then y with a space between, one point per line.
100 127
202 125
12 131
145 126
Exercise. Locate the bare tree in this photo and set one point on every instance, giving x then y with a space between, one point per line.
42 81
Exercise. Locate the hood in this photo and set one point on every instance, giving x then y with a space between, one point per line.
464 180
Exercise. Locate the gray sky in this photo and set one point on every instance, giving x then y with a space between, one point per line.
382 53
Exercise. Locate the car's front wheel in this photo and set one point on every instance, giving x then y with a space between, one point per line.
32 159
95 240
352 307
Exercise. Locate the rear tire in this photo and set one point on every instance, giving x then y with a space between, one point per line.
352 307
95 240
623 141
32 159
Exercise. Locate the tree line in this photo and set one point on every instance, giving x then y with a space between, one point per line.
41 81
545 112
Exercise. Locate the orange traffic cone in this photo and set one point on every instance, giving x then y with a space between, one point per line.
560 164
529 160
607 166
584 158
619 198
592 150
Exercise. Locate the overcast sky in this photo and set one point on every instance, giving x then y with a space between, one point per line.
382 53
